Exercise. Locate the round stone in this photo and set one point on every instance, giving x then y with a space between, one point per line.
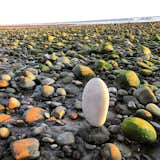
95 102
65 138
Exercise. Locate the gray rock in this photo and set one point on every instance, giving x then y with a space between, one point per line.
37 131
122 109
78 104
65 138
145 95
47 140
124 149
94 135
71 89
112 90
61 92
122 92
114 129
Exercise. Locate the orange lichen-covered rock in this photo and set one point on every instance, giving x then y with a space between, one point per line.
13 103
34 114
47 90
25 149
5 118
4 132
3 83
73 115
2 108
111 151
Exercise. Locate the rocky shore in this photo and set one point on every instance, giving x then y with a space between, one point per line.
43 72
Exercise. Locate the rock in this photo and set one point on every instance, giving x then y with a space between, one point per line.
78 104
96 136
139 130
71 89
103 65
145 95
95 102
46 80
113 90
4 132
67 79
114 129
73 115
110 151
144 114
124 149
45 68
61 92
66 138
59 112
26 83
83 71
5 118
146 72
34 114
128 78
108 46
4 83
122 109
65 60
47 91
122 92
25 149
13 103
47 140
153 109
37 131
146 52
30 75
6 77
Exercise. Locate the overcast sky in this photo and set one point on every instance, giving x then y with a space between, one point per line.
46 11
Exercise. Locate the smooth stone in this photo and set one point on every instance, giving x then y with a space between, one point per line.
47 140
95 102
112 90
122 92
145 95
61 92
154 109
71 89
66 138
96 136
78 104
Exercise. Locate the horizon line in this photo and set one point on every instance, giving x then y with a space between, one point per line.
102 21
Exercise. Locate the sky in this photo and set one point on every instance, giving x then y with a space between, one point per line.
48 11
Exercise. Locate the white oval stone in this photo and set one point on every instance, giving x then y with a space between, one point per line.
95 102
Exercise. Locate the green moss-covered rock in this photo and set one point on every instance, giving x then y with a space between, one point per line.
157 37
146 52
146 72
108 46
128 78
82 71
154 109
139 130
103 65
45 68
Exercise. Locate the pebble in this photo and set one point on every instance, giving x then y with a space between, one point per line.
61 92
47 140
145 95
66 138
